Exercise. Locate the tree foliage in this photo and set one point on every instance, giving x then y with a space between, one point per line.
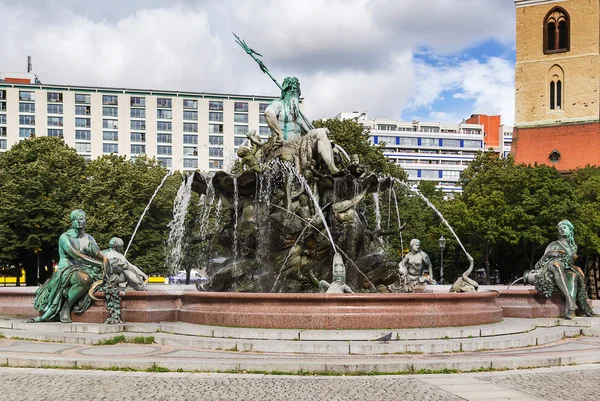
40 183
354 139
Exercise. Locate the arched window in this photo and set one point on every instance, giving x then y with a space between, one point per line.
556 78
556 31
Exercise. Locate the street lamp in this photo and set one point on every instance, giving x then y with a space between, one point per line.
442 242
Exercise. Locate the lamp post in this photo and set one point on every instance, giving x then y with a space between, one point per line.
442 242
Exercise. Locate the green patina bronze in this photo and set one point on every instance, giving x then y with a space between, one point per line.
81 263
556 271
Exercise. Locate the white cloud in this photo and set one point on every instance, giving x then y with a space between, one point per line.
489 85
442 116
348 54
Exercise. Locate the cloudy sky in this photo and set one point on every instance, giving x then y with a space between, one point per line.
432 60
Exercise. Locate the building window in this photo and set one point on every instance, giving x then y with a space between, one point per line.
27 107
110 124
138 137
57 133
83 135
454 143
215 152
164 103
213 116
451 175
240 106
215 106
554 156
471 144
110 111
27 120
240 118
2 118
556 31
110 136
190 104
190 163
191 115
164 138
138 113
55 109
262 107
2 106
27 96
430 174
2 131
264 131
164 126
110 148
190 127
165 161
430 142
556 88
82 110
3 94
55 121
55 97
215 140
215 164
82 98
138 125
190 151
165 114
138 149
406 141
26 132
83 147
138 101
240 129
3 143
239 140
164 150
190 139
111 100
262 119
215 128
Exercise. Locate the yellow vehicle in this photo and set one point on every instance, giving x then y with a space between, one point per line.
11 280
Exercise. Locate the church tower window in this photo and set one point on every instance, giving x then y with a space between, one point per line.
556 78
556 31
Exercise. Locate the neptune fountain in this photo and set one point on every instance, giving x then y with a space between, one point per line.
289 221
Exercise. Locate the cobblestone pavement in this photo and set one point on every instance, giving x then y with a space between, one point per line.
570 383
29 384
554 386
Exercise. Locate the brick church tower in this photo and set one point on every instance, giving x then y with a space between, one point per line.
557 82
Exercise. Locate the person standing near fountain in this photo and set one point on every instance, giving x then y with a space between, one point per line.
416 267
81 263
557 268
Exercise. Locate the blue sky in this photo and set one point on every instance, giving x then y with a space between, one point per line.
436 60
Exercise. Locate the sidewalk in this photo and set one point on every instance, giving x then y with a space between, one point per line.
512 344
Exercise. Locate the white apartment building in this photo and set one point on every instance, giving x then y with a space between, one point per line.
430 151
183 130
505 134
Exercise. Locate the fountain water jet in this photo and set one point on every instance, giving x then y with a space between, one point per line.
146 210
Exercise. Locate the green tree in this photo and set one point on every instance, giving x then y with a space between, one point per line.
485 214
40 181
354 138
114 196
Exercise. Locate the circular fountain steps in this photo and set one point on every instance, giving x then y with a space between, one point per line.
511 333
